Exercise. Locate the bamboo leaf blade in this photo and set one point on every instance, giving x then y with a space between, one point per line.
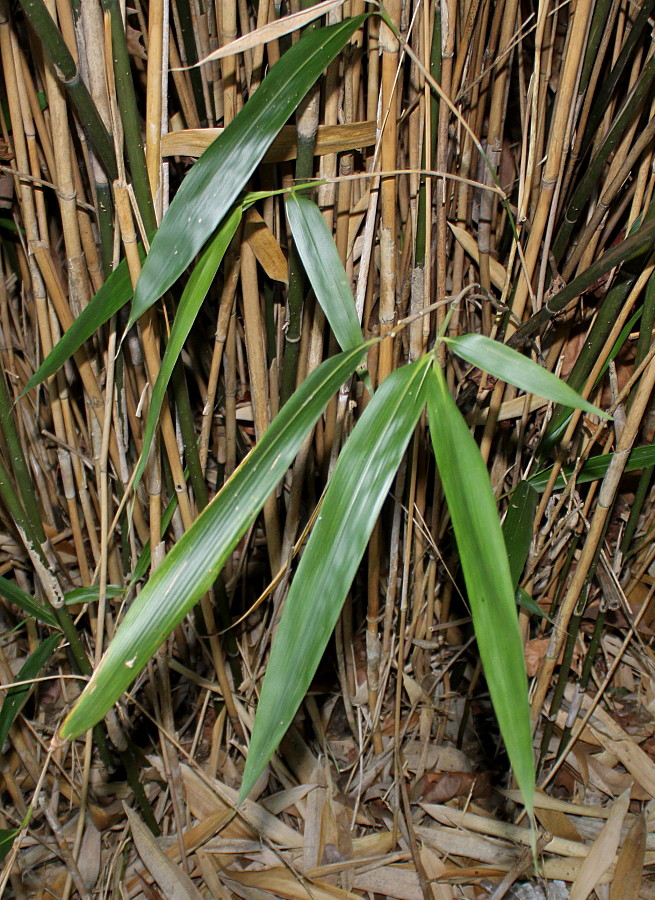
112 296
324 268
487 576
194 562
518 526
352 502
508 365
192 299
7 837
525 601
91 594
216 180
594 469
11 592
17 696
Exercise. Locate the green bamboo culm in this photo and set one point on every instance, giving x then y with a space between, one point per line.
188 40
69 76
643 346
603 324
130 115
627 250
594 171
608 85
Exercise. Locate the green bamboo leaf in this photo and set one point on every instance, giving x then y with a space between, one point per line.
350 509
17 696
216 180
487 575
10 591
193 564
594 469
112 296
525 601
7 837
192 299
324 268
503 362
517 528
91 594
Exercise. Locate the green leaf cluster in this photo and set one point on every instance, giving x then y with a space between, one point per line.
205 214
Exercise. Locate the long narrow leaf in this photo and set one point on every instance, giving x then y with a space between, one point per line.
91 594
112 296
195 561
594 469
487 575
192 299
10 591
320 257
17 696
351 506
216 180
517 528
7 837
514 368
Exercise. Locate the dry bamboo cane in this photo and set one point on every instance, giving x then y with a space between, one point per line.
229 70
388 126
168 433
154 99
223 320
556 148
547 197
596 73
616 165
495 133
258 385
608 195
631 299
79 291
604 505
448 25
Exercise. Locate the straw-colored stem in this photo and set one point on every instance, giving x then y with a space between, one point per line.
156 14
69 76
596 529
258 384
129 114
388 127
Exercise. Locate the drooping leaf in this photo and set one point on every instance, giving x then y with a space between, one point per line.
514 368
112 296
594 469
352 503
487 576
26 602
518 526
221 173
526 602
16 697
193 564
321 260
192 299
7 836
91 594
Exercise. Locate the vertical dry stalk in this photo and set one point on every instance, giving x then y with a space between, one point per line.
388 129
